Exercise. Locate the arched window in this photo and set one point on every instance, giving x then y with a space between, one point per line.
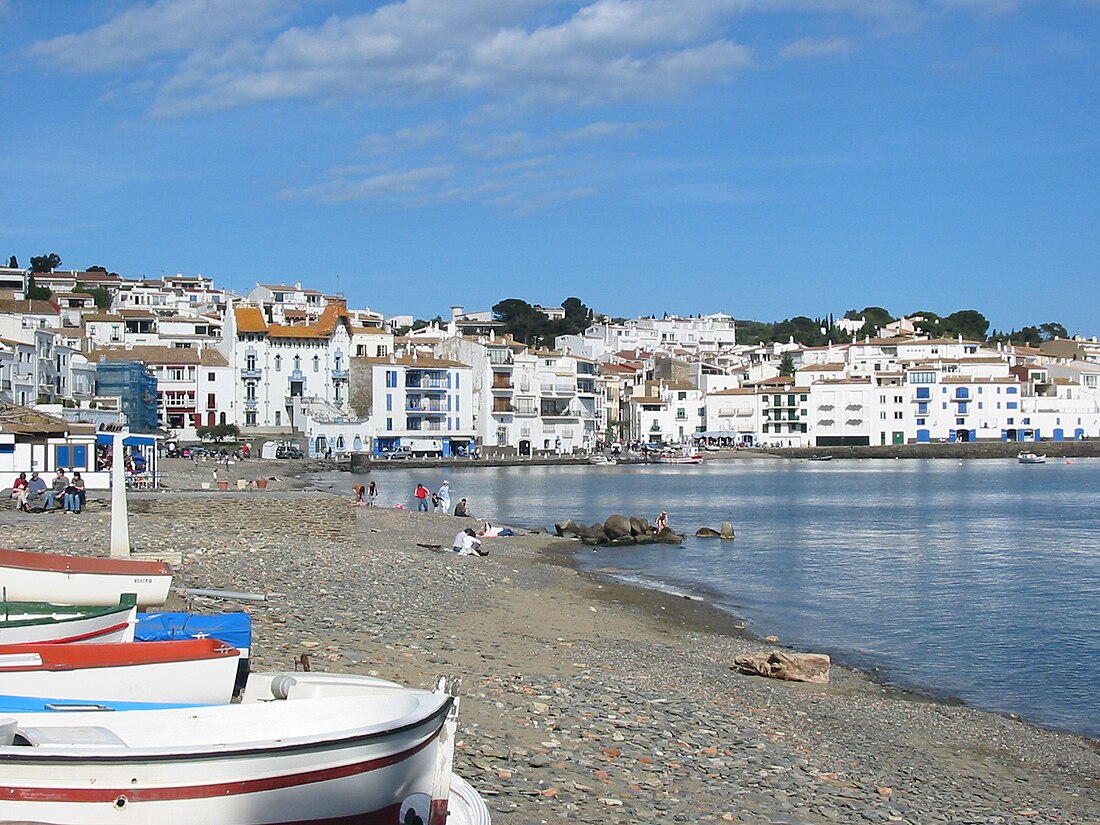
339 442
297 363
316 363
278 363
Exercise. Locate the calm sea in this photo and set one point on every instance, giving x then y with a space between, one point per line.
978 580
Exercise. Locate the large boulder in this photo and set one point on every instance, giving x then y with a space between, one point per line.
622 541
616 527
707 533
566 529
638 526
669 536
791 667
727 530
594 532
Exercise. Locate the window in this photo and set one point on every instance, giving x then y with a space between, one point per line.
297 363
278 363
960 421
389 402
316 363
921 378
920 422
389 424
898 399
898 415
250 362
250 418
1011 405
380 351
1012 390
882 415
391 378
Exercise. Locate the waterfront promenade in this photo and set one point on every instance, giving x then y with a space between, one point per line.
583 701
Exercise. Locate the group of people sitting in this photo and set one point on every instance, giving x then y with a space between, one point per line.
68 494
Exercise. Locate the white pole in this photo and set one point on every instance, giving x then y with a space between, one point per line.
120 522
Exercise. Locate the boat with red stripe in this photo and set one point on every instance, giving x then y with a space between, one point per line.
299 747
41 623
81 580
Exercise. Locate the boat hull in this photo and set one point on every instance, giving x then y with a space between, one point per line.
81 580
337 759
41 623
201 671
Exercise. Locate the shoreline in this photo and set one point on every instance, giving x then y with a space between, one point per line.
583 699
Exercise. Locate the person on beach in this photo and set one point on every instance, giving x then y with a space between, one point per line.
466 543
372 495
444 495
421 498
57 495
661 522
360 493
462 511
72 497
19 492
36 491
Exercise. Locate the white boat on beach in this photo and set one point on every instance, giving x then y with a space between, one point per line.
602 461
81 580
40 623
1031 458
200 671
299 747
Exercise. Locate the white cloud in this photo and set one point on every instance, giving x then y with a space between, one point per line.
166 26
522 142
411 137
350 186
808 47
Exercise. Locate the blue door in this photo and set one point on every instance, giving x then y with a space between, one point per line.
1059 435
923 437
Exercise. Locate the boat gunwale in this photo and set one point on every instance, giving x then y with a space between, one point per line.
19 754
89 565
80 613
99 655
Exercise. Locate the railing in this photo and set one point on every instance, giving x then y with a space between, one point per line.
247 372
339 375
426 384
523 410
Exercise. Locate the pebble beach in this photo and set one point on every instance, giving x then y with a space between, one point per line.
582 700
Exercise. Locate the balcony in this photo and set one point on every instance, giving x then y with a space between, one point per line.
426 384
526 410
247 372
251 403
339 375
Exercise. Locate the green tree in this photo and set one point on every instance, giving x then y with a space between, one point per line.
100 294
969 323
37 293
786 364
1052 331
874 319
218 432
45 263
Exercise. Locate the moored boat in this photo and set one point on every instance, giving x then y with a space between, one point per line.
81 580
602 461
193 670
41 623
670 458
817 457
299 747
1031 458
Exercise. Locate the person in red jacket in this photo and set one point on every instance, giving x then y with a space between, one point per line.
421 498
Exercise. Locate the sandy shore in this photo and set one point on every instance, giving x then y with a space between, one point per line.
583 700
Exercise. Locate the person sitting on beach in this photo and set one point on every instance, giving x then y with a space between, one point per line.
74 494
19 491
462 510
661 522
466 544
36 492
360 492
372 495
57 495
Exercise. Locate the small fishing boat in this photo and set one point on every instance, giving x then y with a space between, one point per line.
41 623
83 580
816 457
602 461
235 629
686 458
299 747
1031 458
194 670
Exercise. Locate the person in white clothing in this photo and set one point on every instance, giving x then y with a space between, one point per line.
466 543
444 495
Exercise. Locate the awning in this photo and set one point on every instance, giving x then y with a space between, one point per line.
129 441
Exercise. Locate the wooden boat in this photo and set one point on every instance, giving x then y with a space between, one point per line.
299 747
40 623
58 579
1031 458
194 670
602 461
816 457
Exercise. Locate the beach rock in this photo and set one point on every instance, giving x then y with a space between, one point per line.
727 530
566 529
791 667
594 532
617 527
622 541
638 526
707 533
669 536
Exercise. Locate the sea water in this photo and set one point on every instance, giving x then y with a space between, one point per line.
977 580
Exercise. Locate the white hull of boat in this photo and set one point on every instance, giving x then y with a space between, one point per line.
142 674
81 580
336 749
34 623
1031 458
686 459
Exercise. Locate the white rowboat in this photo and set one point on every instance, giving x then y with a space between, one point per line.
300 747
198 671
41 623
49 577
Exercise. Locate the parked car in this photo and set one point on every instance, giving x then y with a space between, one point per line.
289 451
399 452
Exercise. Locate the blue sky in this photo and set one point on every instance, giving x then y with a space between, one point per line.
766 158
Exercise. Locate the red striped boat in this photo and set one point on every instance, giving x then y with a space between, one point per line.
185 671
42 623
83 580
298 748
